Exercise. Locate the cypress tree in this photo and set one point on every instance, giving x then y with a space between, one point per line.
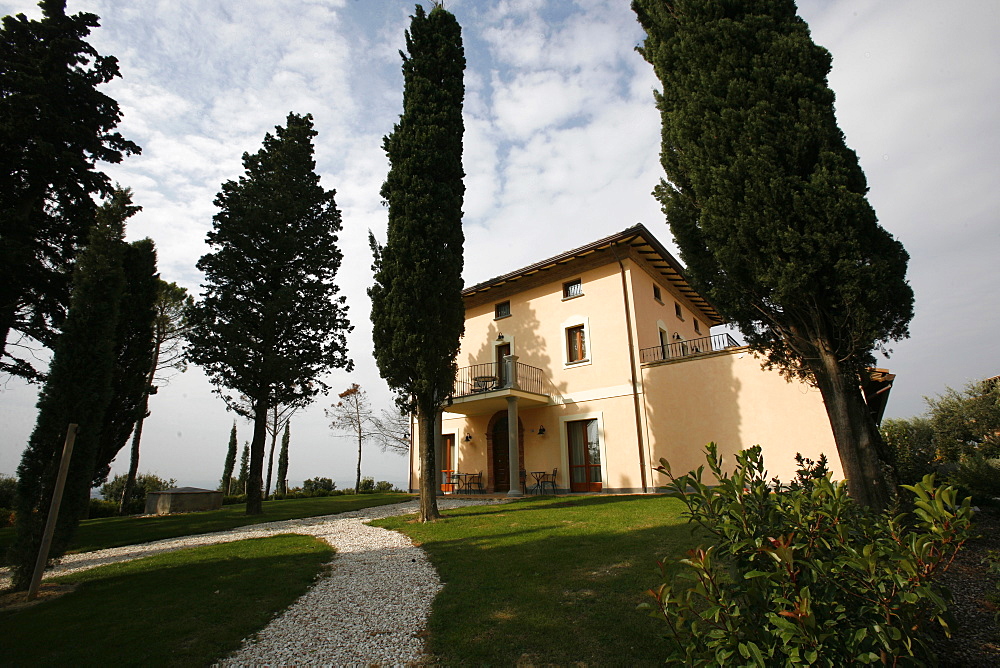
77 390
768 206
55 124
279 485
271 323
225 485
133 354
417 310
243 480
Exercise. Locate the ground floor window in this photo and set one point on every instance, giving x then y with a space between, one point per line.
584 456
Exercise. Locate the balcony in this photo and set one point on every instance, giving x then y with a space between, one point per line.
483 388
688 348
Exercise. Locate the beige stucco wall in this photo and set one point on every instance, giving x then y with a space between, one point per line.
651 315
729 399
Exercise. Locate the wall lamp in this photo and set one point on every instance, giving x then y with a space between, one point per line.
500 337
541 430
468 437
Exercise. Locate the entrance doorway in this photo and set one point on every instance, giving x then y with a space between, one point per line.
501 455
584 456
502 473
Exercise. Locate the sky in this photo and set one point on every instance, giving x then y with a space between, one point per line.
561 144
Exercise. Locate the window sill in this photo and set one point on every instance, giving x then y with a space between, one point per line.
566 299
503 317
578 362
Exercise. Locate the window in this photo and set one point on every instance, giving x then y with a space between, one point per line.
572 289
656 293
501 310
697 325
576 344
677 311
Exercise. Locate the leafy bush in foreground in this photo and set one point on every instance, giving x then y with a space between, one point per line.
805 575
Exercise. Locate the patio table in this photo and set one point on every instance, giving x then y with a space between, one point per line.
537 487
484 383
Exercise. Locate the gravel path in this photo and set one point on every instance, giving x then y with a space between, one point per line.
368 609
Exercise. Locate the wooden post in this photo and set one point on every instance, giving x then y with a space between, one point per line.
50 522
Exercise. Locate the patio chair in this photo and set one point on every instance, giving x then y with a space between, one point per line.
522 478
474 483
549 479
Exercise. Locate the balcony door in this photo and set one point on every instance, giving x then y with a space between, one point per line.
502 351
584 456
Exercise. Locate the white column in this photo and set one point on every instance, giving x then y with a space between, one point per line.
514 467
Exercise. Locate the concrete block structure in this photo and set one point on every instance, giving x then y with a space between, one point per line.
182 500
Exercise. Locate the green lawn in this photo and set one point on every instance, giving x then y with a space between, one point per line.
549 580
184 608
106 532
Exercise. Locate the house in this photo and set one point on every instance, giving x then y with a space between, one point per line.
598 362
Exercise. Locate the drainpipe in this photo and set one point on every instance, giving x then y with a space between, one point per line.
631 361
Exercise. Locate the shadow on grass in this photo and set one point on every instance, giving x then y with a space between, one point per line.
184 608
552 582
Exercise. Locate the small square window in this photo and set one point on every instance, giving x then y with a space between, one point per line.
656 293
697 325
501 310
572 289
576 344
677 311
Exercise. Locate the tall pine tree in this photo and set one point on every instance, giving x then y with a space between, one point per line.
170 324
271 323
54 126
77 390
417 310
767 205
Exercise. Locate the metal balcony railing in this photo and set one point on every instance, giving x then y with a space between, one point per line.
688 348
491 376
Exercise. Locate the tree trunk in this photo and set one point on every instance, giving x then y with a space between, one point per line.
133 465
428 473
255 481
867 463
357 484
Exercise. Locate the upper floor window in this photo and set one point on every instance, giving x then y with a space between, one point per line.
677 311
697 325
576 344
572 289
501 310
656 293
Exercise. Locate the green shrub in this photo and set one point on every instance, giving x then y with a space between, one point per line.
8 488
311 487
978 476
145 483
6 518
367 485
384 487
805 576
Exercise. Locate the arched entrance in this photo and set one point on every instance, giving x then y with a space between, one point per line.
498 452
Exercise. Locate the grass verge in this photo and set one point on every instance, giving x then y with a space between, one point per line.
107 532
184 608
549 581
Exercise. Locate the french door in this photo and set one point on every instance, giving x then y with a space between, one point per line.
584 456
